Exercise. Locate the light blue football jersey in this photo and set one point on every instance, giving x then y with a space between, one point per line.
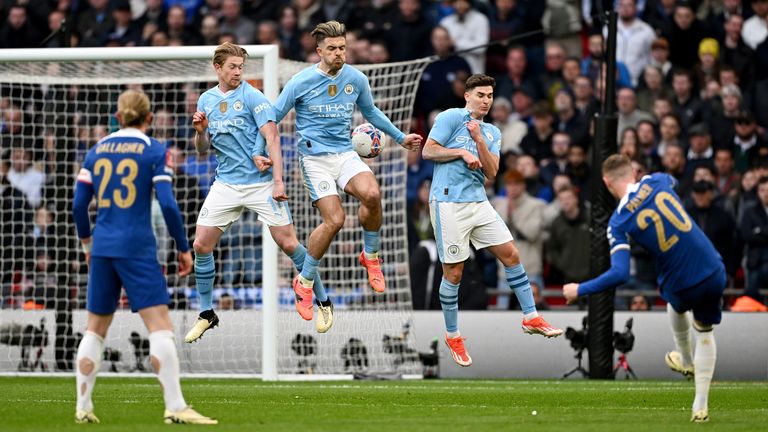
234 120
453 181
324 107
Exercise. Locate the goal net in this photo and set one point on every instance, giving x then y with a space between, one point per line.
56 104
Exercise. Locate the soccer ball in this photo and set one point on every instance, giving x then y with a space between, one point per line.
367 140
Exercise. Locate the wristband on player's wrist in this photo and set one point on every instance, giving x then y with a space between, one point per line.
87 247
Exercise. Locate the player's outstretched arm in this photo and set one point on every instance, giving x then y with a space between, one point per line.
272 136
489 161
83 195
172 216
200 124
616 275
437 153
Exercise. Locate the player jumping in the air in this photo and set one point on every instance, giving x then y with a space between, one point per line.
465 151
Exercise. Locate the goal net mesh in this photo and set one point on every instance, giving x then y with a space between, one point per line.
53 112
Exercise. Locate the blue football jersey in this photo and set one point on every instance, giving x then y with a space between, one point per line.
453 181
653 216
234 120
324 107
122 168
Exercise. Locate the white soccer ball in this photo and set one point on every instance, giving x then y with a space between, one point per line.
367 140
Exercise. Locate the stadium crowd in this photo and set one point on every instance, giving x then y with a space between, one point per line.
692 100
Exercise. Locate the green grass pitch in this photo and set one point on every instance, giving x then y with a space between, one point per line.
43 404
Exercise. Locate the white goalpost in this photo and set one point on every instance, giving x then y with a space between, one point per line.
56 103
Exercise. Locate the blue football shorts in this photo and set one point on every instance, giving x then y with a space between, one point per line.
142 279
705 299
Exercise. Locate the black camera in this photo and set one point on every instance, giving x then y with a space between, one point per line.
578 338
624 341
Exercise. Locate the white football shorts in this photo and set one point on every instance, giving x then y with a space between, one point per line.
226 202
322 173
458 223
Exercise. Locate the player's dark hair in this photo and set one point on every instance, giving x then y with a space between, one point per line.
328 29
133 107
617 166
479 80
227 50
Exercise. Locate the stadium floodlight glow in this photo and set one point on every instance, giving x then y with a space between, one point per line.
67 99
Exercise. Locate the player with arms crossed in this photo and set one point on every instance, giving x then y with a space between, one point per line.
325 96
691 273
121 170
465 151
234 118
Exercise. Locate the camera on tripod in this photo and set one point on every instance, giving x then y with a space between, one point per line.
578 340
623 342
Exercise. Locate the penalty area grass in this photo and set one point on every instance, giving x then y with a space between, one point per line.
42 404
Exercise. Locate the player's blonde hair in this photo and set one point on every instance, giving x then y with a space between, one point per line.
133 107
328 29
617 166
227 50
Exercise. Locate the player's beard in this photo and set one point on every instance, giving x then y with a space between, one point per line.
335 65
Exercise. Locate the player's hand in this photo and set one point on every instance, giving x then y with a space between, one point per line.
199 122
278 191
475 131
412 142
262 163
472 161
571 292
88 259
185 263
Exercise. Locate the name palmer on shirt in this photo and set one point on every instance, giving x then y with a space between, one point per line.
642 194
125 147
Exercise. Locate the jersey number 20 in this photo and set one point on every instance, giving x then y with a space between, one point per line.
682 222
128 169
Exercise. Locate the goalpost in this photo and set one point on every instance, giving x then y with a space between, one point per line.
56 103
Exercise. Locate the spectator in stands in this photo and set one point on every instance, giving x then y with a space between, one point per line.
562 25
233 22
673 163
591 65
560 182
209 30
754 231
551 81
268 33
755 29
568 120
660 57
661 108
538 141
639 303
750 148
629 115
25 176
176 27
468 29
438 75
728 179
646 145
55 18
512 129
578 170
569 238
669 133
454 98
584 100
700 151
378 53
517 76
154 14
652 87
723 123
716 222
628 143
505 20
561 142
527 166
17 223
523 214
708 67
522 103
95 23
409 37
18 31
633 40
686 104
289 33
686 32
226 302
735 52
125 32
339 10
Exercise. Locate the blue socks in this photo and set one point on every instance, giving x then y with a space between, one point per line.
449 301
518 281
205 272
298 257
309 268
371 242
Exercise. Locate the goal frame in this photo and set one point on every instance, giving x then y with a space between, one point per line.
270 56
